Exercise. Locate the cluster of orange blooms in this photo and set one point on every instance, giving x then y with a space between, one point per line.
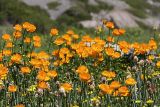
115 88
70 45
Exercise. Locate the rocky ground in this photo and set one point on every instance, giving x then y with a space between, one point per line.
119 14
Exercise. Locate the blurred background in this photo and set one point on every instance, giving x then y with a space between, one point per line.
79 14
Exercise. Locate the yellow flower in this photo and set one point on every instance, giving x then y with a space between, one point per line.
150 101
138 101
32 88
158 64
151 57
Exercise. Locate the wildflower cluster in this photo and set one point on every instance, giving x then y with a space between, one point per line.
76 70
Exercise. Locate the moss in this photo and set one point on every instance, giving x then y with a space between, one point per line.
53 5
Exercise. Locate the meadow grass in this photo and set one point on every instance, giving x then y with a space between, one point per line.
75 69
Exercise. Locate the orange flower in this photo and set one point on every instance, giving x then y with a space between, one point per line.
130 81
20 105
3 72
66 86
116 32
6 37
115 84
52 74
75 36
29 27
106 89
42 55
9 45
110 25
109 74
37 38
82 69
7 52
25 70
55 53
110 39
116 55
54 32
109 51
42 76
37 44
121 31
12 88
42 85
59 41
36 63
1 56
18 27
16 58
17 34
70 32
27 40
123 91
84 76
152 44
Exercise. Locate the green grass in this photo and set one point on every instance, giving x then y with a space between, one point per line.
15 11
81 11
139 7
53 5
156 0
